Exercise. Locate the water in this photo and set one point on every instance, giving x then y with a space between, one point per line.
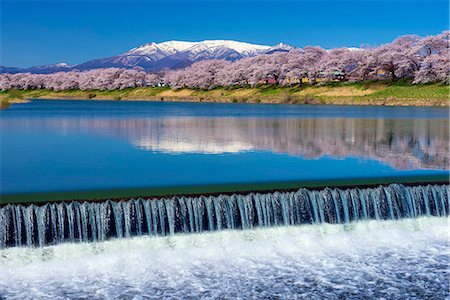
403 259
387 242
49 146
76 221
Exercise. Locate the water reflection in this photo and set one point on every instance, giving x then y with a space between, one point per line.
401 143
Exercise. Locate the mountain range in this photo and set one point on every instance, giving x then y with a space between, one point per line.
166 55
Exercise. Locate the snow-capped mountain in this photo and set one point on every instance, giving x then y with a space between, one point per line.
281 47
165 55
46 69
179 54
196 48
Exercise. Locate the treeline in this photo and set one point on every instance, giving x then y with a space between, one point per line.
410 57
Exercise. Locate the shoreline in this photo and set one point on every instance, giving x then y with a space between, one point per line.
372 94
342 101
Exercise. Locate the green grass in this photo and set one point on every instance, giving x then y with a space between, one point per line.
15 94
434 91
379 93
270 89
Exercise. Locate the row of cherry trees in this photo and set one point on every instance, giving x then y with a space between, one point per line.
421 60
104 79
411 57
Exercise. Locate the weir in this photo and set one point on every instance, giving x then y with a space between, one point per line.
77 221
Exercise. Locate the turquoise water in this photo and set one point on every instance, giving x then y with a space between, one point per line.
49 146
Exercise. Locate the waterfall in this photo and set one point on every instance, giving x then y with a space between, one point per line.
53 223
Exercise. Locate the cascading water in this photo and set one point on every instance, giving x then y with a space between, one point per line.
54 223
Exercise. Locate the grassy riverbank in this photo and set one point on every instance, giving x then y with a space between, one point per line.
369 93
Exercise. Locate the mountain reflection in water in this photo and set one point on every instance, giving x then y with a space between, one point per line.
403 144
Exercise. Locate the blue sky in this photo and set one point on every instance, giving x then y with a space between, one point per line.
44 32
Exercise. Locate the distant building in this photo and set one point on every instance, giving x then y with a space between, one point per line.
381 73
338 76
160 84
268 80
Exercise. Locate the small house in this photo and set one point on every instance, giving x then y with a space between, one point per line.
381 73
338 76
268 80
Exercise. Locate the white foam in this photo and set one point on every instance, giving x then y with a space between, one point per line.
377 259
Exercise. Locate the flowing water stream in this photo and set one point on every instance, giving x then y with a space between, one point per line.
53 223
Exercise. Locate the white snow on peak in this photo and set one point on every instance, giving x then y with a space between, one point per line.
174 47
161 49
169 54
58 65
281 46
62 64
177 45
240 47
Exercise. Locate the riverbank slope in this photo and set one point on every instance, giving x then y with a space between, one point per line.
370 93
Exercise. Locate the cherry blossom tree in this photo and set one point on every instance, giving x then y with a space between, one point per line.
410 57
203 74
434 53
